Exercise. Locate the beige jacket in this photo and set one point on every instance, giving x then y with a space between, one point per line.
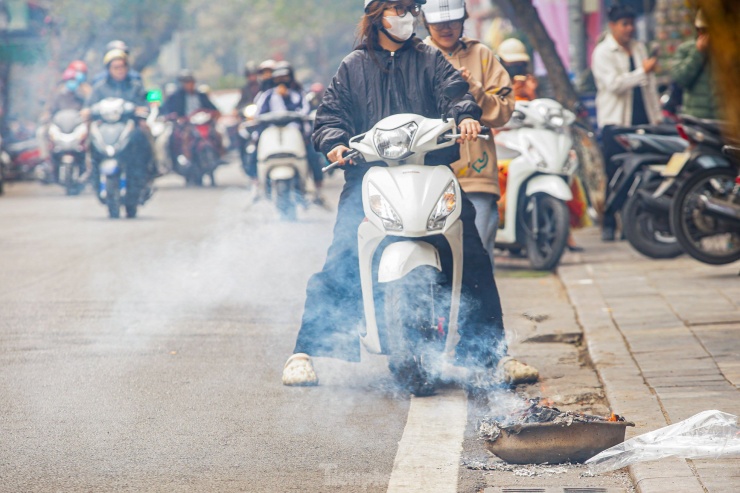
610 64
477 169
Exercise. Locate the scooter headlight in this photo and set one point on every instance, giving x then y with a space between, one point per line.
395 144
383 209
445 206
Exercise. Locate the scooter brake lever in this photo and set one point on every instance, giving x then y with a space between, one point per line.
457 136
351 155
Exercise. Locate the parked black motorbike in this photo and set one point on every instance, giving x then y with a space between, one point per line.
68 142
648 149
705 213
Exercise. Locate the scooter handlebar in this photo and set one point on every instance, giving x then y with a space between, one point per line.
336 164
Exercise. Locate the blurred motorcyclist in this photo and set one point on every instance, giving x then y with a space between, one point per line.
284 96
264 71
183 102
116 44
119 84
70 94
251 88
315 95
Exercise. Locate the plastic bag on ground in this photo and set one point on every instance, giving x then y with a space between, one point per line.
707 435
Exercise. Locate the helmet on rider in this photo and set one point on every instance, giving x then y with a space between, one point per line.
115 54
513 51
267 65
185 76
69 74
250 68
283 74
78 66
317 88
441 11
117 44
370 2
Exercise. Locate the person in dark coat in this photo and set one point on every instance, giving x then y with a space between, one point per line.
183 102
390 72
118 84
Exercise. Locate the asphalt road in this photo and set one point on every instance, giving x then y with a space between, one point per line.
146 354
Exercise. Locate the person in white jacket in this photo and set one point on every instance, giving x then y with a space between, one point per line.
626 88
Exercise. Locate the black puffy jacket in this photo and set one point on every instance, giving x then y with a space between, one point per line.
365 90
129 89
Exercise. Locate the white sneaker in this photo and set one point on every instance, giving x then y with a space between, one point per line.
299 372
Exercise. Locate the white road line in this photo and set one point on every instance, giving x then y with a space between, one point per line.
428 456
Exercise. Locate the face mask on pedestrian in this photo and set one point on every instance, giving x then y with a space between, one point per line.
72 85
402 27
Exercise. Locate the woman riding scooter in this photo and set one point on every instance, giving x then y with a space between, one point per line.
390 72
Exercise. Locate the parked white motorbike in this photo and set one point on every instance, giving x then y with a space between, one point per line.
282 163
410 203
537 145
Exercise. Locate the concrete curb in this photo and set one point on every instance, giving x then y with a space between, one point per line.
624 385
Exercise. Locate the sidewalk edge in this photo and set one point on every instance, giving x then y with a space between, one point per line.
625 388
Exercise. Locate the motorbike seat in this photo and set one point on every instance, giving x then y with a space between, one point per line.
714 126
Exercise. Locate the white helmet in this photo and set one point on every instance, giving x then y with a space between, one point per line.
436 11
512 51
368 2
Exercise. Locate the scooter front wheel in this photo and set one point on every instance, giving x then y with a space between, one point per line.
412 337
649 231
548 226
284 199
113 196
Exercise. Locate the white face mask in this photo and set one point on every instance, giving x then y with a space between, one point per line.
401 27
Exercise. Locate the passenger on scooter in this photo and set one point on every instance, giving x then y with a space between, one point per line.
285 96
477 169
118 84
183 102
491 87
390 72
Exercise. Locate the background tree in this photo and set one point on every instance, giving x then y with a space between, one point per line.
723 18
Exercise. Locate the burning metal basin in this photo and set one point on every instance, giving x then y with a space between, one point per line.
541 435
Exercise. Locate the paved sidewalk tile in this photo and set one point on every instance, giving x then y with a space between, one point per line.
664 337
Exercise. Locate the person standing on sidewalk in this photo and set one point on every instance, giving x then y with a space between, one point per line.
626 89
692 72
477 170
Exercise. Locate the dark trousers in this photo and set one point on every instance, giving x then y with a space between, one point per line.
334 307
610 148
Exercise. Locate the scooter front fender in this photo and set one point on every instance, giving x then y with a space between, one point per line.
553 185
400 258
281 173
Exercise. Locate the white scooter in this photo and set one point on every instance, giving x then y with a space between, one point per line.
536 144
282 163
410 203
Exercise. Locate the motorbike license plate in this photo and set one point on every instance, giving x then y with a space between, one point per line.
109 166
676 164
